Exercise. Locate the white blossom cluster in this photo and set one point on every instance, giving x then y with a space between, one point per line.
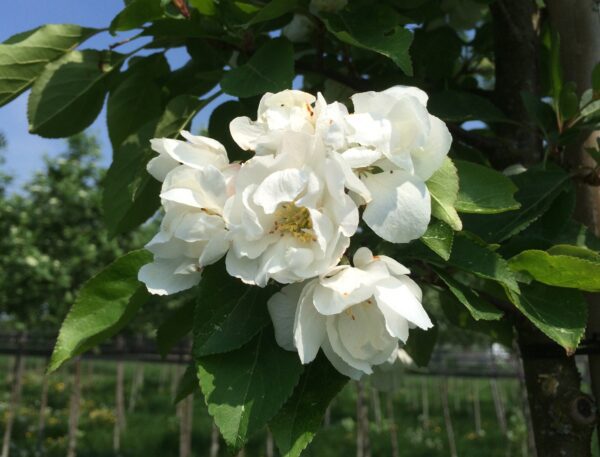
288 212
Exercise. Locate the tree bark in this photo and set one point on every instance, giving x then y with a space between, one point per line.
42 414
447 418
186 415
74 408
425 401
15 399
363 446
119 407
136 385
559 409
498 406
392 424
214 441
477 408
579 28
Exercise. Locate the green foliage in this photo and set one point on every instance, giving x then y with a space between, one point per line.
439 238
70 92
421 344
561 269
103 306
455 106
382 33
560 313
271 69
177 324
24 56
245 388
228 313
296 424
483 190
443 186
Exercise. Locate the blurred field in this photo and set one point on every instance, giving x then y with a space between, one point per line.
152 426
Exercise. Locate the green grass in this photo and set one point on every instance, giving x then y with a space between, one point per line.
153 427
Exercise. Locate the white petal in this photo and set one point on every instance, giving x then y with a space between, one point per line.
360 157
281 186
339 363
340 349
214 249
245 132
398 304
400 209
352 182
401 91
429 158
199 188
282 309
368 131
160 166
309 326
160 278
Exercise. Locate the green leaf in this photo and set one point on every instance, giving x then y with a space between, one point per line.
245 388
130 195
537 189
455 106
296 424
70 92
478 259
188 384
439 238
500 331
136 14
273 10
443 187
23 57
561 270
136 101
206 7
483 190
560 313
569 101
540 112
376 28
270 69
479 308
421 343
228 312
178 114
175 327
103 306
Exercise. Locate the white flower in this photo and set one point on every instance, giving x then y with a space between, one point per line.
193 232
356 315
290 218
396 122
285 111
197 152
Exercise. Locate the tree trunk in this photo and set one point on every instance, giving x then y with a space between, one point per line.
186 415
363 446
120 422
392 424
376 408
447 418
15 399
136 385
425 401
74 407
214 441
557 405
498 406
42 414
477 408
579 28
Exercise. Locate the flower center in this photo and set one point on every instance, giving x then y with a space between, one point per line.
294 220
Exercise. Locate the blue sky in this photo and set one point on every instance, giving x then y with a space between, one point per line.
24 153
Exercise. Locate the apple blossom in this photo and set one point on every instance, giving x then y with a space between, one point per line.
290 218
356 315
193 232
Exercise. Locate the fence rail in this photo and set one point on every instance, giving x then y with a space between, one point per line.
493 363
